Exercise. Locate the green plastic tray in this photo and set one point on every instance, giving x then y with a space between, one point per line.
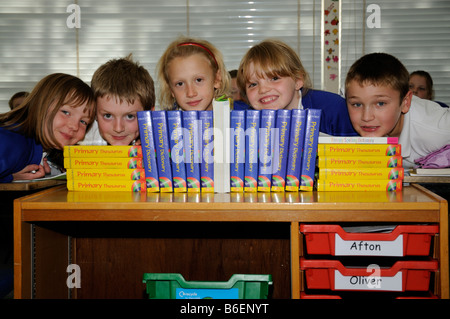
174 286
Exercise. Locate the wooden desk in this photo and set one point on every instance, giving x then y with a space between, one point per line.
427 179
28 186
116 237
9 192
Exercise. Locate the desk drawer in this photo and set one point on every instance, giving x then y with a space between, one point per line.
402 276
403 240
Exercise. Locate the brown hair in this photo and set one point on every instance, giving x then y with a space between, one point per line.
34 117
126 80
16 96
271 58
185 47
380 69
428 81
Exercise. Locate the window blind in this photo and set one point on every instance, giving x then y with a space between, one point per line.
416 32
36 40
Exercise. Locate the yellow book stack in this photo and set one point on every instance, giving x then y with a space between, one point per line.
359 167
104 168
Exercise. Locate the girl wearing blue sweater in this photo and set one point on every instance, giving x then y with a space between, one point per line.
57 113
271 76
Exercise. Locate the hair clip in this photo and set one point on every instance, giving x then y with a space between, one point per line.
200 46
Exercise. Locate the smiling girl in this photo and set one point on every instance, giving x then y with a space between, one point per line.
57 113
191 74
271 76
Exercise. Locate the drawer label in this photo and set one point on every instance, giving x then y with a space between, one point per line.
202 293
368 248
371 282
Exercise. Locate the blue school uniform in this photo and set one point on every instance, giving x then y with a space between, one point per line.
239 105
16 152
335 119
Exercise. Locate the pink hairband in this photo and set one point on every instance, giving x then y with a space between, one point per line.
200 46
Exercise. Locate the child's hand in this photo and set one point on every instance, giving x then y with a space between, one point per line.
31 171
47 168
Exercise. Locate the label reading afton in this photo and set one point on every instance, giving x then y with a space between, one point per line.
368 247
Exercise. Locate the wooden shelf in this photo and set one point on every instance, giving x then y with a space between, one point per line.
261 226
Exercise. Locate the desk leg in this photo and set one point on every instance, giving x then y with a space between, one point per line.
295 260
443 253
22 255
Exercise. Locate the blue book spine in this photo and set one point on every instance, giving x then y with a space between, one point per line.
281 149
161 136
296 140
177 151
237 165
252 124
310 149
266 143
148 150
207 151
192 147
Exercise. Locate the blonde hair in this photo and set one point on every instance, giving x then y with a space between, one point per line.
125 79
271 58
185 47
34 117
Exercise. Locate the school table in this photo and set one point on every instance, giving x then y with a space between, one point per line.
115 237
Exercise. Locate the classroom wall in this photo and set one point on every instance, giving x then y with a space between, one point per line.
39 37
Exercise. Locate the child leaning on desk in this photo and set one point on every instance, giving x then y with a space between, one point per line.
191 74
122 87
380 103
56 113
271 76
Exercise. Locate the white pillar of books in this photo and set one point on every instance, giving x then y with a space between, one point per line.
221 112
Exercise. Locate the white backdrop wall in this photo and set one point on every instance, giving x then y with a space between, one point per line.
36 38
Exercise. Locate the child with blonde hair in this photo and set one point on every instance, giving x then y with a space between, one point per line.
271 76
56 113
191 74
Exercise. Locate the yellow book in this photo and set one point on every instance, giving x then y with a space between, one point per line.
361 173
110 185
359 197
111 162
359 161
359 185
359 149
85 151
105 174
108 197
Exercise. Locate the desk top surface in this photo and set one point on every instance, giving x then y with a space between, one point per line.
414 203
32 185
60 196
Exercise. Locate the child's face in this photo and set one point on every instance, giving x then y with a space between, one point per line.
192 82
376 110
418 85
69 124
272 93
117 121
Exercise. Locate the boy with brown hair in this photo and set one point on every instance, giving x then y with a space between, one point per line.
380 103
121 87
